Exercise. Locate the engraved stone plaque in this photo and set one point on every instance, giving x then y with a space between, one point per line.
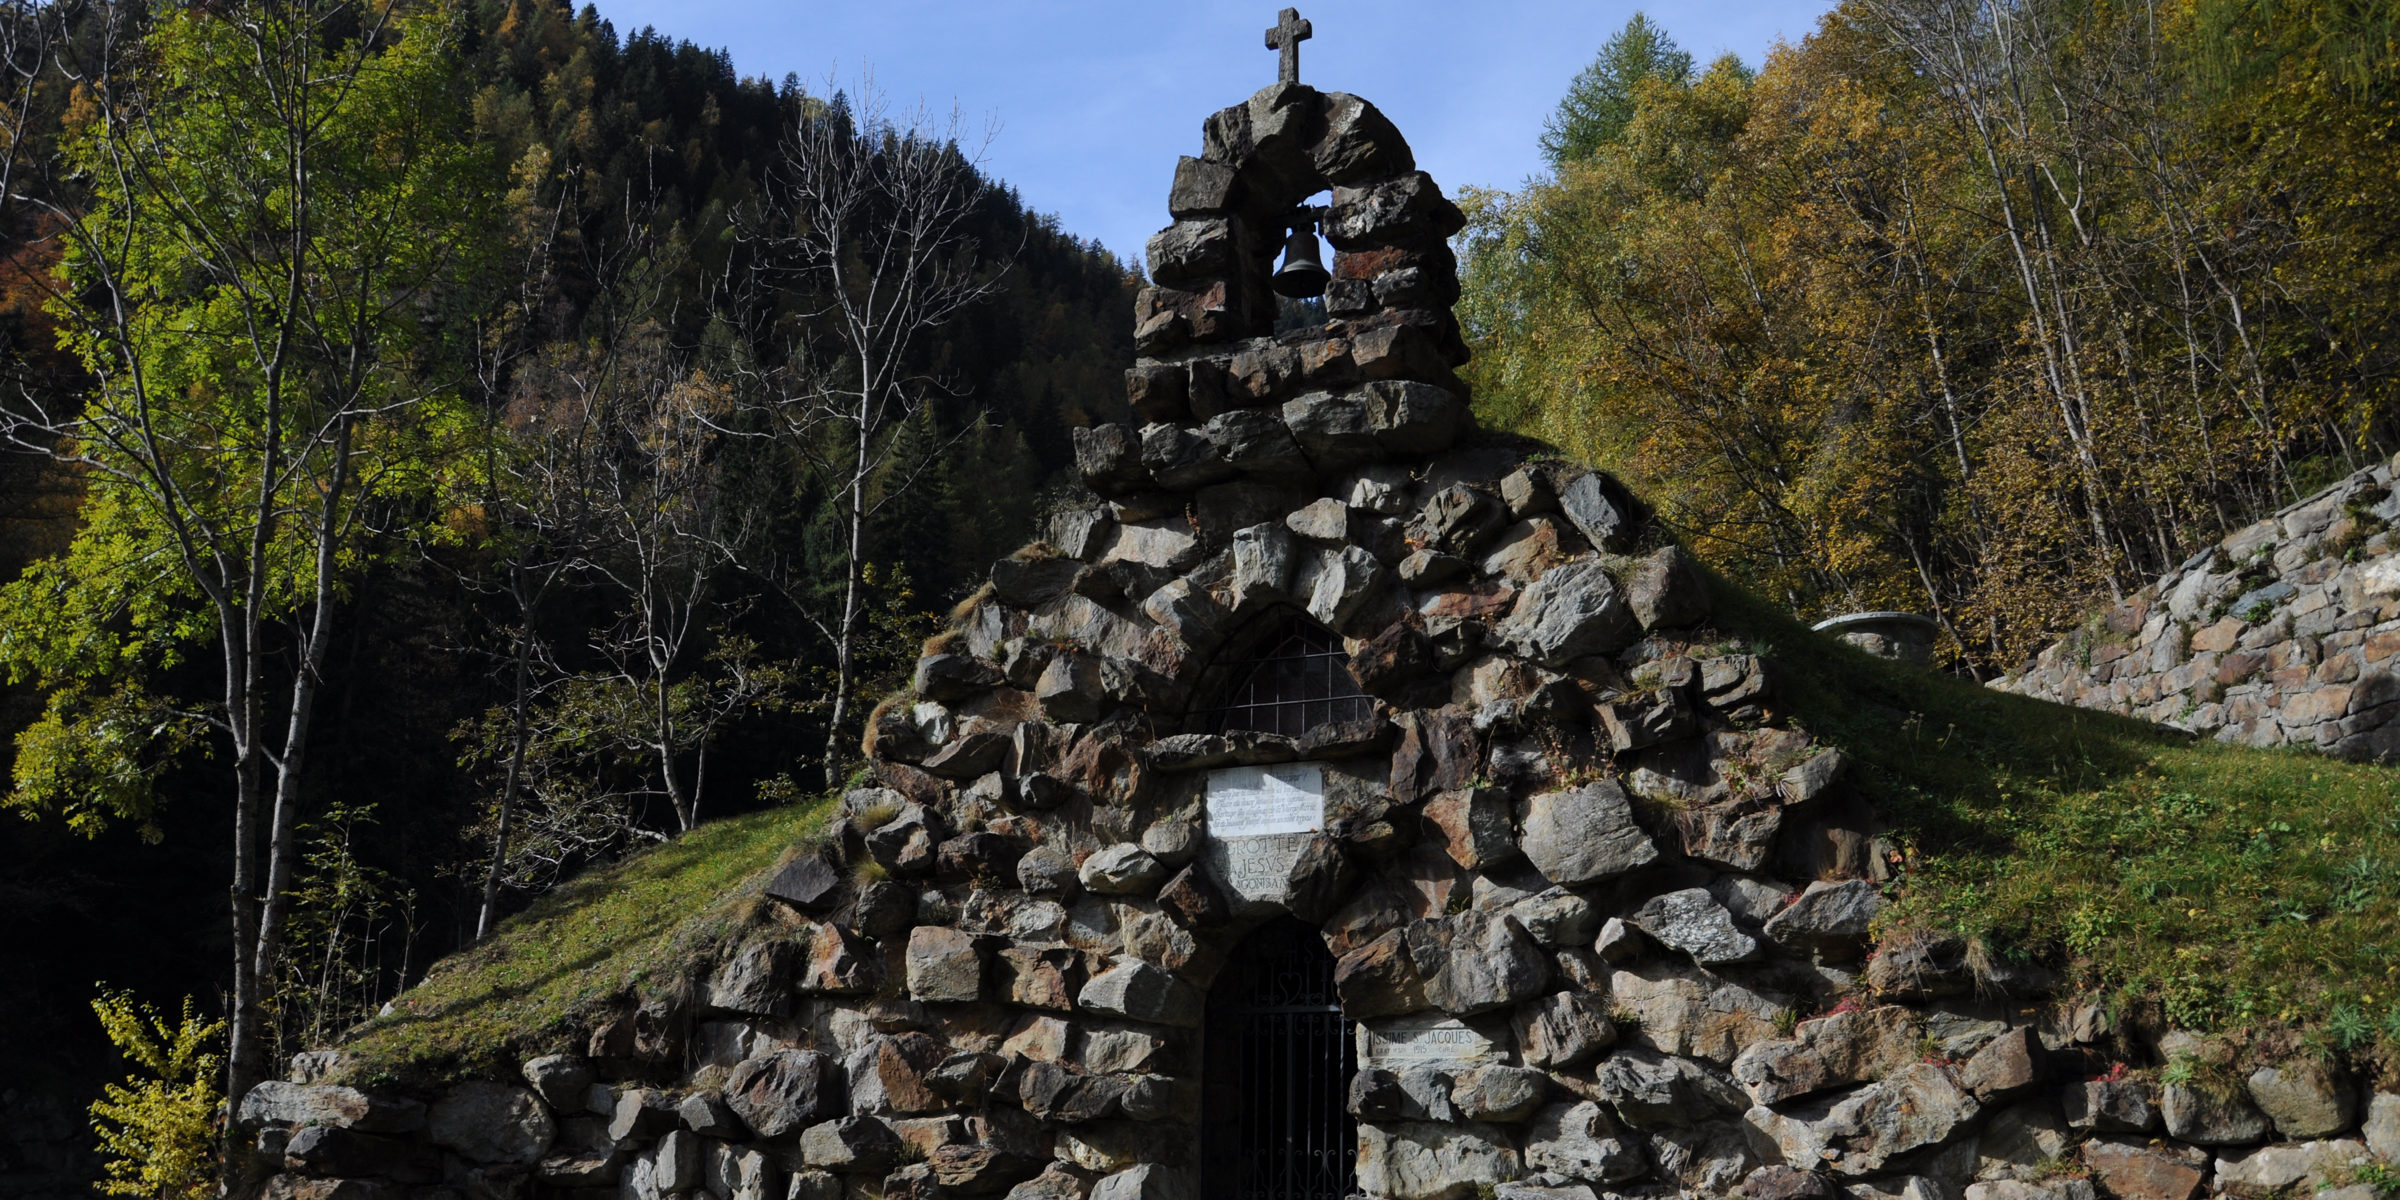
1260 820
1258 801
1412 1041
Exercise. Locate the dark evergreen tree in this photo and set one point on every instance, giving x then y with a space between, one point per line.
1601 101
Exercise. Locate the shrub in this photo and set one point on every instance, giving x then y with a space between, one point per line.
161 1122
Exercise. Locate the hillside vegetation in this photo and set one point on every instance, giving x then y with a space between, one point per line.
2180 882
633 928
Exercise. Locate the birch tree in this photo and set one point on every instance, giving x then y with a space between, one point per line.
865 241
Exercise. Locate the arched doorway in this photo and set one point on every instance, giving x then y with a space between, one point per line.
1293 677
1279 1055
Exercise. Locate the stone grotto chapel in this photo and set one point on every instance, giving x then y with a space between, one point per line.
1345 804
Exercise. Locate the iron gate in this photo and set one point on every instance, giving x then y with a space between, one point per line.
1279 1060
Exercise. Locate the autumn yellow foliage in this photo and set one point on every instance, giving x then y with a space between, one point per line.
159 1126
1990 311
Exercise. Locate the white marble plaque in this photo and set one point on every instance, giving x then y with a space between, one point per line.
1410 1041
1261 801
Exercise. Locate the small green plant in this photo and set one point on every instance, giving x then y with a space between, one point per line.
2257 613
2362 881
1458 902
2349 1028
2381 1178
159 1123
1786 1020
2089 926
1930 1049
2055 1167
2181 1071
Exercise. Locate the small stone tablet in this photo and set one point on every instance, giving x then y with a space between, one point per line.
1259 801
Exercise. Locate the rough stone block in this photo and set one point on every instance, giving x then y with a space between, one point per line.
1332 430
1409 417
491 1123
1124 869
1829 1052
1423 1161
779 1093
849 1144
1406 210
2007 1066
1139 991
2139 1170
275 1102
1653 1091
1571 612
944 965
1668 591
1579 1140
1584 835
1475 826
1192 253
1692 921
1109 457
1598 508
2305 1098
1201 188
560 1079
809 883
1499 1093
2204 1116
2110 1106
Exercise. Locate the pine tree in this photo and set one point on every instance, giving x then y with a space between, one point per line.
1600 103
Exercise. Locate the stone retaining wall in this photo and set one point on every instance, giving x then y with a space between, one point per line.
2285 633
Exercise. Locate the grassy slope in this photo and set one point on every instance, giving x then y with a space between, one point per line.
615 932
2212 886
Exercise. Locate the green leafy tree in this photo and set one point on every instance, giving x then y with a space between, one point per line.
160 1124
275 236
1602 100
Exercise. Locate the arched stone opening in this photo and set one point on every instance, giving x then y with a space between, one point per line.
1284 673
1388 224
1277 1057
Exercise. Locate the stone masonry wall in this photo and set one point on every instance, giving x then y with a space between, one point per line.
2285 633
1601 910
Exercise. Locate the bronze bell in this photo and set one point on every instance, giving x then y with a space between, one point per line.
1303 275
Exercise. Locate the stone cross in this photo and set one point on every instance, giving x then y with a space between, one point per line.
1287 35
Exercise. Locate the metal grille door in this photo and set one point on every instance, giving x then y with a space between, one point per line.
1279 1059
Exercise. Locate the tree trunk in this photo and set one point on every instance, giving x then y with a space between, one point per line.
518 702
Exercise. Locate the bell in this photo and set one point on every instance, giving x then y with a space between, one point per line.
1303 275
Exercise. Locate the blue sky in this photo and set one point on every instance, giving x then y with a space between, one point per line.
1094 99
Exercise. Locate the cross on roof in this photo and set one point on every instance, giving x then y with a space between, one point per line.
1287 35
